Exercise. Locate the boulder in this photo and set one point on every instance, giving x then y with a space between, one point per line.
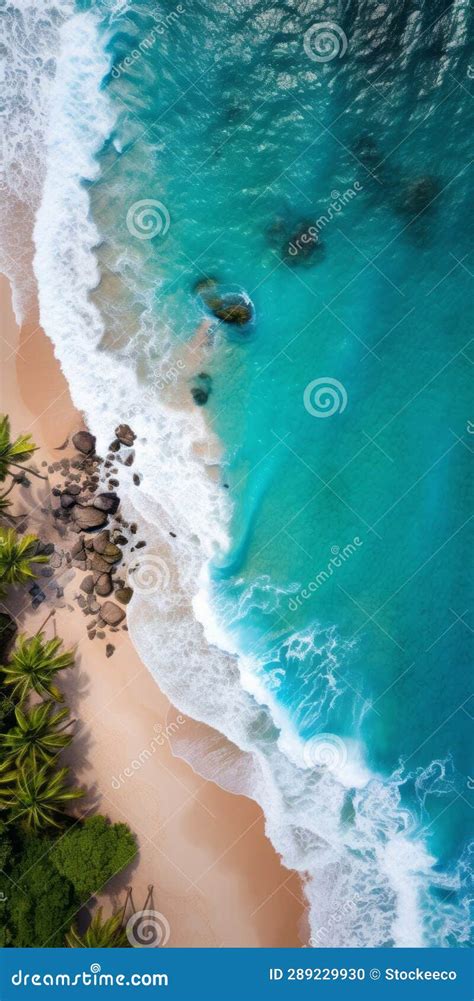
87 584
125 435
99 542
230 307
108 550
111 613
84 442
67 501
199 395
124 594
108 502
89 518
103 585
237 311
98 564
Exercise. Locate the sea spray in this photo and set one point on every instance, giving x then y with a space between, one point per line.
30 41
344 829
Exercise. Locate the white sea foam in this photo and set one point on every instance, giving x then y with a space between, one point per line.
366 876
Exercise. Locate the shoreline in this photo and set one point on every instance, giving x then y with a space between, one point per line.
216 876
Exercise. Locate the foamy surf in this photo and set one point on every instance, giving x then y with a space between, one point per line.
366 874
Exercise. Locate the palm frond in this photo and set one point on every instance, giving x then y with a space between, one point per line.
13 453
34 665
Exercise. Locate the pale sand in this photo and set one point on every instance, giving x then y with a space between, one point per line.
216 877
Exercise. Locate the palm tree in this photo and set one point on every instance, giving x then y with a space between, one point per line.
38 736
36 795
106 934
18 553
14 453
33 666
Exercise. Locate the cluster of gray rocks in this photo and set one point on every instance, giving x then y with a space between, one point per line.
92 512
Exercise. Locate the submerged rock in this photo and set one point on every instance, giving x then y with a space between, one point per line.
205 285
238 312
84 442
303 245
201 392
230 306
418 195
199 395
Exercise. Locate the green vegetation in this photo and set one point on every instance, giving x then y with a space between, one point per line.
90 854
38 735
33 666
36 795
18 554
55 863
13 453
108 934
41 903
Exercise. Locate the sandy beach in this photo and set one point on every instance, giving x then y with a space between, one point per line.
215 875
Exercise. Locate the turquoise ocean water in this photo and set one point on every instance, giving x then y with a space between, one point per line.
344 408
